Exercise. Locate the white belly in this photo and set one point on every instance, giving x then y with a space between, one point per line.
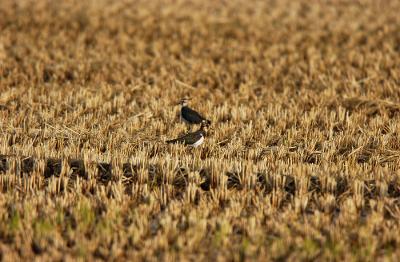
199 142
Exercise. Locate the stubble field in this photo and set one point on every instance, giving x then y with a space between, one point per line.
302 161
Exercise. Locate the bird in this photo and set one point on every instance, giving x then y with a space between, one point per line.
191 116
193 139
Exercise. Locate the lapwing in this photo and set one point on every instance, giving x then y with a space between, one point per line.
193 139
189 115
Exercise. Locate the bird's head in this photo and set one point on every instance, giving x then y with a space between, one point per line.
205 125
184 101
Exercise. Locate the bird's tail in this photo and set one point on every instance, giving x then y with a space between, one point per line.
173 141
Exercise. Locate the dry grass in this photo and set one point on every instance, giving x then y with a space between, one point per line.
302 162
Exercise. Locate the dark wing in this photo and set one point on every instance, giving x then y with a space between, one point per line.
192 116
188 139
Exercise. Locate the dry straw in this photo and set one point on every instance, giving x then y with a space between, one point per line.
302 162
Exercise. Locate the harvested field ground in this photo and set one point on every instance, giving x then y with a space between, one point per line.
302 161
